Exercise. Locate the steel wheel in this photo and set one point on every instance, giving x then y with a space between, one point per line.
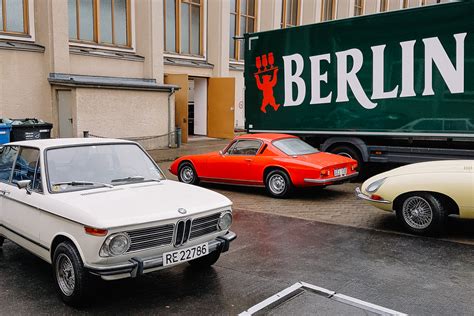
277 184
65 275
187 173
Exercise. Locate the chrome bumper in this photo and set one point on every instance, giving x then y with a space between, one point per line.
362 196
137 266
333 179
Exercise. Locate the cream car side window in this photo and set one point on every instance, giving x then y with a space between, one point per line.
7 157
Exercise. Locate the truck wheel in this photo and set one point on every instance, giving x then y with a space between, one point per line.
422 214
187 174
349 152
278 184
2 239
72 280
206 261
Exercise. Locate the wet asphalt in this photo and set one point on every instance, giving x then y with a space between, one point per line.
414 275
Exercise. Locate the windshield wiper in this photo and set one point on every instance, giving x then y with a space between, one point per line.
129 179
81 183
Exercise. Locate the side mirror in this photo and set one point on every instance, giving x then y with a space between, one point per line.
24 184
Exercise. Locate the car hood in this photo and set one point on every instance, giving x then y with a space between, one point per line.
323 159
137 203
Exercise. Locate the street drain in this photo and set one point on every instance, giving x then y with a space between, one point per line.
306 299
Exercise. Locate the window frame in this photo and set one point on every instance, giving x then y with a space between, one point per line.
28 33
96 29
360 7
9 181
202 32
384 6
238 14
333 13
243 140
406 4
284 24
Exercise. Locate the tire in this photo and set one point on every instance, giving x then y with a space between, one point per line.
422 214
278 184
349 152
206 261
187 174
67 259
2 239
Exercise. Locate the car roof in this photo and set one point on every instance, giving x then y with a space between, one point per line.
265 136
64 142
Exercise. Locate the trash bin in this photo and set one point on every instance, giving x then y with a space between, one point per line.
30 128
5 128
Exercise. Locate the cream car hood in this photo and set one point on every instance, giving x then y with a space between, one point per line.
137 203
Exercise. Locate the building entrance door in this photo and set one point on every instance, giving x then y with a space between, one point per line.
181 102
220 107
64 98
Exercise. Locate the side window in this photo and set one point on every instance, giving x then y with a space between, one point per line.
25 165
7 156
37 186
245 147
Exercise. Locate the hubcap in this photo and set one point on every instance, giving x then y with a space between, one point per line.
343 153
277 184
65 275
417 212
187 174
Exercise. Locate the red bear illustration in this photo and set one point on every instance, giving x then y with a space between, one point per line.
268 82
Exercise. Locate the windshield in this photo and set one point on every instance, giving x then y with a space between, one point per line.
294 147
91 166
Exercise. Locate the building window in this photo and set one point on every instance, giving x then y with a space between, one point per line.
243 18
104 22
290 13
358 7
384 5
328 10
411 3
183 26
14 17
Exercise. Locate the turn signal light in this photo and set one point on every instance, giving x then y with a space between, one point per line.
376 197
324 172
95 231
354 167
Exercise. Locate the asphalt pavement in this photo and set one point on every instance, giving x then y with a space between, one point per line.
409 274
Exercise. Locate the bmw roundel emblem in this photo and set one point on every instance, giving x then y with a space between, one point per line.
182 211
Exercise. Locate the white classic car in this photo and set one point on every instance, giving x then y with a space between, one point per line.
103 207
424 194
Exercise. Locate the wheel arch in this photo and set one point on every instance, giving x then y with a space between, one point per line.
451 206
352 142
62 237
269 169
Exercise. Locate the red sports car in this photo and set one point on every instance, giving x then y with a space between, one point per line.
278 162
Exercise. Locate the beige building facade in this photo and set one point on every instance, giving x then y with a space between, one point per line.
140 68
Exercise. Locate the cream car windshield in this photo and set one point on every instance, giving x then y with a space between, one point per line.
294 147
91 166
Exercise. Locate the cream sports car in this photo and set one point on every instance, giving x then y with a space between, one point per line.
424 194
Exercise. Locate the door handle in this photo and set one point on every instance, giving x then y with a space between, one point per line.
248 159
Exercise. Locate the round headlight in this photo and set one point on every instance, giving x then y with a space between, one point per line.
115 245
225 221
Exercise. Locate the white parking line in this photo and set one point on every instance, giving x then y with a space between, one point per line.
300 287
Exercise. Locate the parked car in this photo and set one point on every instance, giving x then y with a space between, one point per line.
103 207
278 162
424 194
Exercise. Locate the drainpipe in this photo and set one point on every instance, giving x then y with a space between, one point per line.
170 123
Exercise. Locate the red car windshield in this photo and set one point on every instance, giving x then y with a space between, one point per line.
294 147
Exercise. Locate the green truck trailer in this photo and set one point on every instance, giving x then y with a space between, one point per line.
389 87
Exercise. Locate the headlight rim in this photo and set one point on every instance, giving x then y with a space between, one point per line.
377 184
220 219
105 250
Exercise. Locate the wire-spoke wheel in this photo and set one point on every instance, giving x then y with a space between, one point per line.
422 213
278 184
187 173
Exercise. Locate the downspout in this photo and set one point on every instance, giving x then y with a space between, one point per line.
170 123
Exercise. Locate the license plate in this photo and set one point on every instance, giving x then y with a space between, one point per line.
340 172
186 254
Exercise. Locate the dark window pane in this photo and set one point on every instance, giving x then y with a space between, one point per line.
7 156
14 9
231 37
251 7
25 165
72 19
195 30
245 147
120 22
170 26
251 26
243 24
106 21
185 28
294 13
86 20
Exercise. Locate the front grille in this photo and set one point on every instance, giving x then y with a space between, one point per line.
150 237
182 232
204 225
